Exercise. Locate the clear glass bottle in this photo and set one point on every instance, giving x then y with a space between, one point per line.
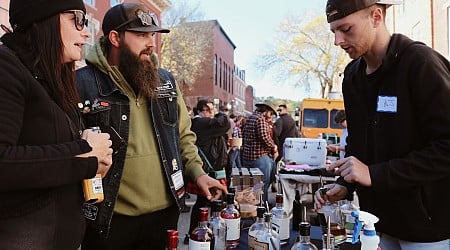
347 207
304 242
218 226
268 238
172 240
232 219
202 236
281 219
256 227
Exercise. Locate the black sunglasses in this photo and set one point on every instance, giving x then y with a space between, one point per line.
80 19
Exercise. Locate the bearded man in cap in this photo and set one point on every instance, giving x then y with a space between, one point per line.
258 148
142 108
396 95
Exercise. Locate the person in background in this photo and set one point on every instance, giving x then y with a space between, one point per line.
284 128
154 146
235 144
396 95
223 109
258 147
212 146
45 151
340 119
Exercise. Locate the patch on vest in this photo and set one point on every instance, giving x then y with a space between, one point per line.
89 211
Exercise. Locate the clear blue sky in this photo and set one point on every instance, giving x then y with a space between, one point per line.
251 25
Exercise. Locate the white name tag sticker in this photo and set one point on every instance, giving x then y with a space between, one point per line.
387 104
177 179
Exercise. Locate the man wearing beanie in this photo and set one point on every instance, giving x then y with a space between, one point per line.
45 151
142 108
396 95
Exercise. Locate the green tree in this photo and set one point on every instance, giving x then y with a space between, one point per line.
186 46
305 53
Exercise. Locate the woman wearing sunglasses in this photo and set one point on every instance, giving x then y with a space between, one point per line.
44 151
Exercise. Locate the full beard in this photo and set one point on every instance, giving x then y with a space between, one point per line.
142 75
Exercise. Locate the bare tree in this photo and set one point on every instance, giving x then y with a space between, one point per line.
185 47
305 53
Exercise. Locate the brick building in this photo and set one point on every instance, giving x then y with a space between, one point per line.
221 80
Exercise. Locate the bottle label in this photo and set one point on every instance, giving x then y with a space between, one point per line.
251 242
282 227
97 187
196 245
261 245
233 228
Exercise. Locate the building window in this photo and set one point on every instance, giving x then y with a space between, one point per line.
215 69
220 72
90 2
225 78
114 2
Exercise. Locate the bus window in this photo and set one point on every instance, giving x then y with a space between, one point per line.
316 118
333 124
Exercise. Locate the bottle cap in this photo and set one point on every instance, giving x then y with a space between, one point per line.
305 229
216 206
279 198
230 198
260 212
203 214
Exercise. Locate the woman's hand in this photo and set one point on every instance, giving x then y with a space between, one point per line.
101 148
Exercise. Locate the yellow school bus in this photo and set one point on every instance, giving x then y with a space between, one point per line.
317 118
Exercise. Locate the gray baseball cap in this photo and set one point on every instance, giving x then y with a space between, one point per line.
337 9
133 17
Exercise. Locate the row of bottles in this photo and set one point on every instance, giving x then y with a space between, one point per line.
270 230
221 232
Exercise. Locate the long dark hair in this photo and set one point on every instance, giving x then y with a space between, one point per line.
47 50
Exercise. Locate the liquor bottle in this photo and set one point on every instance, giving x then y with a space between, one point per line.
172 240
268 238
93 188
256 227
296 211
218 226
280 218
202 236
304 242
232 219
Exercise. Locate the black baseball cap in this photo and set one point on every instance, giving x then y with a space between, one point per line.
337 9
132 17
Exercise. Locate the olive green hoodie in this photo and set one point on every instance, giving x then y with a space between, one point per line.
143 188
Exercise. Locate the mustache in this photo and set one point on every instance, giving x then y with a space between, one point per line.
146 51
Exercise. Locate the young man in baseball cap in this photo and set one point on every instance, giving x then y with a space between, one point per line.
396 95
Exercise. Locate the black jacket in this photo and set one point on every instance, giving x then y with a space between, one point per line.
40 177
405 144
211 134
93 85
284 128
